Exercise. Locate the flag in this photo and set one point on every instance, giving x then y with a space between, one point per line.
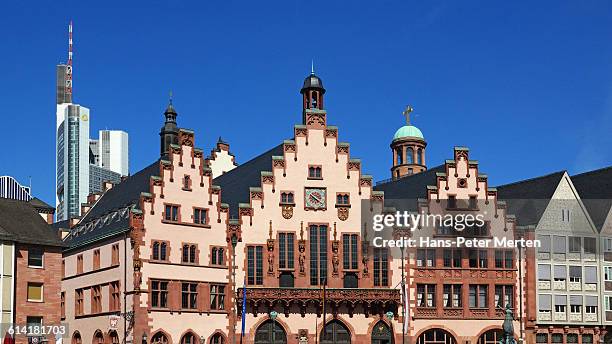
244 296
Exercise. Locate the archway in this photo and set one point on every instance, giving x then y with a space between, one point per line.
76 338
159 338
114 337
270 332
491 337
335 332
381 334
436 336
217 338
189 338
98 337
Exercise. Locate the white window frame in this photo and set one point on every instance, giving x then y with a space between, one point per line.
42 292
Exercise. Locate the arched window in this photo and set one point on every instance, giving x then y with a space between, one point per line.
399 156
98 337
270 332
409 155
187 182
491 337
114 337
188 338
76 338
419 156
381 333
217 338
335 332
159 338
156 251
436 336
314 99
162 251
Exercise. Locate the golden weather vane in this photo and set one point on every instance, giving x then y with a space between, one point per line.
407 113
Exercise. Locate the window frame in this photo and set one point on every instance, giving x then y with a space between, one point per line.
169 215
215 304
42 292
313 169
32 250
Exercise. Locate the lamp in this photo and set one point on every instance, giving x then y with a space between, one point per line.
144 338
273 316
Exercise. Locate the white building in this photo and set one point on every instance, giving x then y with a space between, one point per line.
113 151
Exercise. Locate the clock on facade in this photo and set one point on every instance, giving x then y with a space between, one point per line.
315 198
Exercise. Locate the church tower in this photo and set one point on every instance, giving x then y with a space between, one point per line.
169 132
312 95
408 148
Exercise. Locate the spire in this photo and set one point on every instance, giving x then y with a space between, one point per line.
70 43
312 67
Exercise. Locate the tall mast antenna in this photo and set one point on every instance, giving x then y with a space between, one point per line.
70 44
69 66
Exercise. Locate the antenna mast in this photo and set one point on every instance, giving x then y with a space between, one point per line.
69 64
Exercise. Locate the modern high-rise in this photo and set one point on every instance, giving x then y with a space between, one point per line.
72 160
113 151
10 188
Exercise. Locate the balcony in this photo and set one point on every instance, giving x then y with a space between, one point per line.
544 316
372 301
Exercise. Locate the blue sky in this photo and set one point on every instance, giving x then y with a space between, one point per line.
526 85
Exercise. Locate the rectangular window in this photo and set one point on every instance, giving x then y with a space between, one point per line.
543 272
34 324
171 213
217 297
478 296
287 197
255 265
560 303
96 259
96 299
189 295
381 267
452 295
286 250
160 250
426 295
426 257
590 245
575 244
35 292
115 255
189 254
575 274
314 172
576 304
560 245
504 295
159 294
560 273
342 199
199 216
545 303
545 244
478 259
590 274
115 296
349 248
80 264
318 254
452 258
607 273
35 257
78 302
217 256
63 305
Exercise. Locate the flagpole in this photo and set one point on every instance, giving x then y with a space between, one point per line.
404 300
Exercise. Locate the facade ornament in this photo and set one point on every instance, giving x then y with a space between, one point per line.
302 249
270 252
335 258
343 213
287 211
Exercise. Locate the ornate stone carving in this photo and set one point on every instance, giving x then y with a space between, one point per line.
302 249
278 164
289 147
315 119
343 213
270 244
287 211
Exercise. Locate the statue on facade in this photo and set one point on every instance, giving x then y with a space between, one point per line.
508 328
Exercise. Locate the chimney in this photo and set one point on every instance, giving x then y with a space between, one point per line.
107 185
73 221
85 208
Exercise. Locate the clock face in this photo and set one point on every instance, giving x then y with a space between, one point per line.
315 198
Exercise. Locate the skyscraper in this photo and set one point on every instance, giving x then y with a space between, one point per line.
113 151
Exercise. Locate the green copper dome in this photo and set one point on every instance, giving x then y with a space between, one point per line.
408 131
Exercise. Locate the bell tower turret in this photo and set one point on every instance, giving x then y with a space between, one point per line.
408 148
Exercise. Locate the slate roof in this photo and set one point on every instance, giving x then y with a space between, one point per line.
527 199
595 190
403 193
20 222
235 183
40 204
110 214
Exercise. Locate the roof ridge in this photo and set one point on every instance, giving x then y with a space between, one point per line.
532 179
592 171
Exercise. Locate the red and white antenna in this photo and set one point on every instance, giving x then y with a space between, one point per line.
69 64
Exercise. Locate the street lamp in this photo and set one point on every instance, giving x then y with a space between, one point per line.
273 316
144 338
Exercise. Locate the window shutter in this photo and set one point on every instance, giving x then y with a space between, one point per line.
560 271
590 274
544 272
545 302
576 300
560 244
575 271
590 301
560 300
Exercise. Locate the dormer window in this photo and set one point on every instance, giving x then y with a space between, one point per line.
314 172
287 197
452 202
